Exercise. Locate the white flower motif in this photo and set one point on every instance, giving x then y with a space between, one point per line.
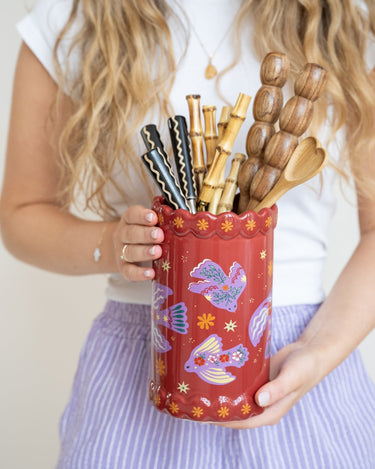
211 358
236 356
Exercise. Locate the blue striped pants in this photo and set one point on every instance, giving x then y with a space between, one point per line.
109 423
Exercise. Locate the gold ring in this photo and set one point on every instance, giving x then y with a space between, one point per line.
123 255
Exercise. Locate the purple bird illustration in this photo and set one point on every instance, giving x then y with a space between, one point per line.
259 320
220 290
209 360
173 318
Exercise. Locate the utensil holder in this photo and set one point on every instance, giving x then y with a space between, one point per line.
211 313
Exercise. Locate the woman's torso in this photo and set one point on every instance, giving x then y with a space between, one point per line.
304 213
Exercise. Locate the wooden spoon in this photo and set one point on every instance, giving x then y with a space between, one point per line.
307 160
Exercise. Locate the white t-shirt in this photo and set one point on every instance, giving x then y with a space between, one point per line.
304 212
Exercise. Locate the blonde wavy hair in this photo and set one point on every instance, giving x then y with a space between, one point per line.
128 67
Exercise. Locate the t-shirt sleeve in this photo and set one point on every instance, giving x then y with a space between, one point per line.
40 29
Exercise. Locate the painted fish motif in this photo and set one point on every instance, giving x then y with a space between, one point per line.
259 320
220 290
173 318
209 361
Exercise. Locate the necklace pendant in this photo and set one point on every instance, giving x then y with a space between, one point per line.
210 71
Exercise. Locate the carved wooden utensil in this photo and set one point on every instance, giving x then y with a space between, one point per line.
295 118
307 160
268 102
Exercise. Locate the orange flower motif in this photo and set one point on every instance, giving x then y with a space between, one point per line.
197 412
157 399
174 408
250 225
268 222
202 224
160 366
245 409
227 226
223 412
205 321
160 218
270 268
178 222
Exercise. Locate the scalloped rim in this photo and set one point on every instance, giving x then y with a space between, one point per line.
204 224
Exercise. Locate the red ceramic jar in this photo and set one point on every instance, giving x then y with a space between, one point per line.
211 313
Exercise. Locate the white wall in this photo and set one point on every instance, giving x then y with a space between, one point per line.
44 317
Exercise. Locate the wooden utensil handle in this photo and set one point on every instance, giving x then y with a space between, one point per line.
210 133
230 187
267 104
218 189
224 149
295 119
246 175
258 137
296 115
218 192
196 137
311 81
223 122
275 69
278 152
263 181
280 149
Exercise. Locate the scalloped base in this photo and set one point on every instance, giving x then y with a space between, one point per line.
201 409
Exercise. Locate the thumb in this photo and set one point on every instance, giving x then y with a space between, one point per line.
287 375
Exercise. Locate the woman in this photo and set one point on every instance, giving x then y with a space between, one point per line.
129 63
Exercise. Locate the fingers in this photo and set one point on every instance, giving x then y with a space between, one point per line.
136 240
271 415
137 226
138 215
142 253
136 273
138 234
295 370
299 370
275 390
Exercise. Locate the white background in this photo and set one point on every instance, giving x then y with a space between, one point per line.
44 318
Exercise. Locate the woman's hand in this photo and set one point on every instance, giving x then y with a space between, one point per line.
137 239
295 369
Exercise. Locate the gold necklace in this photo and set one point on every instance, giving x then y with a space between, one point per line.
211 71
